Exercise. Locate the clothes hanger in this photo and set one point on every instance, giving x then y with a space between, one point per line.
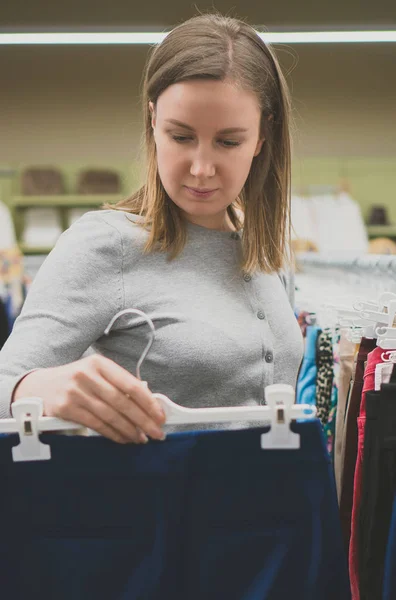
136 311
386 338
368 310
386 335
28 420
391 356
371 316
381 316
380 305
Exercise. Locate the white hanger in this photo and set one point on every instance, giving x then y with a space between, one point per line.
358 327
278 413
372 314
355 334
28 420
381 316
391 358
367 310
323 278
386 338
380 305
386 335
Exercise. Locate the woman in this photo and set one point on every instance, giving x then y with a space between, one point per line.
216 112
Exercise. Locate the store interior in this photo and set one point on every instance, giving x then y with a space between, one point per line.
71 131
76 108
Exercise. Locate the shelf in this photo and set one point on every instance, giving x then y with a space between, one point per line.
381 230
27 250
65 201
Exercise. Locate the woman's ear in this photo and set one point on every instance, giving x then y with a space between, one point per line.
152 111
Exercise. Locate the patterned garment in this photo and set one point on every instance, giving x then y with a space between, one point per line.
324 378
329 428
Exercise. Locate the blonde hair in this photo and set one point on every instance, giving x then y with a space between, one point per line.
213 46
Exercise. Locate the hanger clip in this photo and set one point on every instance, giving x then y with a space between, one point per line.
280 400
26 413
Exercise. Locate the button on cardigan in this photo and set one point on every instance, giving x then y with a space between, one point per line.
211 343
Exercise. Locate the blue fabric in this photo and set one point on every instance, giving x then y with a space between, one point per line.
306 383
389 581
204 515
9 311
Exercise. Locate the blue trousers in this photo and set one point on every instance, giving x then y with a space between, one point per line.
205 515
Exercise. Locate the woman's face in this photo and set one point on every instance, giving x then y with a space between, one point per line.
195 151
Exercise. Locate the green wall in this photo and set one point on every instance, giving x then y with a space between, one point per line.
371 180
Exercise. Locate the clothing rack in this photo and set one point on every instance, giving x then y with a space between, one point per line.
349 370
345 276
373 264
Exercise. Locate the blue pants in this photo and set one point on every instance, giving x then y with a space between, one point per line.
205 515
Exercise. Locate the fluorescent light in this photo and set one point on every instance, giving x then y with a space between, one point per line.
329 37
82 38
290 37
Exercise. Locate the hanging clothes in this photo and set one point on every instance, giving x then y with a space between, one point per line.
348 351
4 324
306 382
11 275
389 579
186 520
350 440
363 436
373 358
325 374
329 428
378 489
7 231
315 219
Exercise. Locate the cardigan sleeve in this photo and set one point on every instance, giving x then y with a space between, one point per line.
287 278
72 299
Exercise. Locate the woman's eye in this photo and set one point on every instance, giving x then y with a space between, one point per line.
229 144
181 139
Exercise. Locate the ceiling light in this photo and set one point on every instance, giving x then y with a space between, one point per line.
289 37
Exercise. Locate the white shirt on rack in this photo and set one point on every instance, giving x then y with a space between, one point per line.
333 222
7 230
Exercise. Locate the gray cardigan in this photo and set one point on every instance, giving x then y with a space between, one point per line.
220 337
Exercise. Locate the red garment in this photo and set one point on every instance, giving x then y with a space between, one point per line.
351 440
357 488
373 359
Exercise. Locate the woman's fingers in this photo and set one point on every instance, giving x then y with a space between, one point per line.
126 407
94 420
128 384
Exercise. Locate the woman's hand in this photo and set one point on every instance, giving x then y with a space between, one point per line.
97 393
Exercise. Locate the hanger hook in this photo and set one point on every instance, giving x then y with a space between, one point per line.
151 340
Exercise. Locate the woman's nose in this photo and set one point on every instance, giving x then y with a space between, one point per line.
202 167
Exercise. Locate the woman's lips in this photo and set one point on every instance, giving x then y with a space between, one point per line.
197 194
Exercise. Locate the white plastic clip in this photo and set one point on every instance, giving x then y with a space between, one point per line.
386 338
27 412
391 356
280 399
